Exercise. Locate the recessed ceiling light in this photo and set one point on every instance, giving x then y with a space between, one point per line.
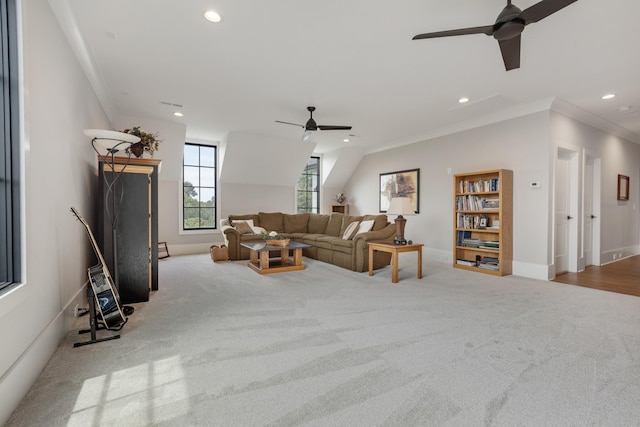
609 96
463 100
345 140
212 16
178 114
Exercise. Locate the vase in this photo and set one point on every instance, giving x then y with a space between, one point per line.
137 149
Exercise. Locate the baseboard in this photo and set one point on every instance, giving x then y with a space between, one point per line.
190 249
17 381
615 255
533 271
438 255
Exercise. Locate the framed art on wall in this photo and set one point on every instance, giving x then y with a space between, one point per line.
623 187
400 184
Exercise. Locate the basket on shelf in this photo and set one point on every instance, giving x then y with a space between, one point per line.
278 242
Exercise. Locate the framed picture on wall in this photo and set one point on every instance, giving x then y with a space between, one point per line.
400 184
623 187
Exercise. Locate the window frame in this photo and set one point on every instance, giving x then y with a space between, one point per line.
10 154
316 192
200 230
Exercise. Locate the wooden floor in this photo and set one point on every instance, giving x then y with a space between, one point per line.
622 277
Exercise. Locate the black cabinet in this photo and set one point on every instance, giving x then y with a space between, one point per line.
131 192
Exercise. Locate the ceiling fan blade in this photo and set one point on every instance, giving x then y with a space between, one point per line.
510 50
543 9
288 123
329 127
487 29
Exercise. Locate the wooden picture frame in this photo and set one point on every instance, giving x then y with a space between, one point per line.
404 183
623 187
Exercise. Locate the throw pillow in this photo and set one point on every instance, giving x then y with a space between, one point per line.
243 227
259 230
350 231
237 221
365 226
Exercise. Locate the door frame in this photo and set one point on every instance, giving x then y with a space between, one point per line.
596 188
575 203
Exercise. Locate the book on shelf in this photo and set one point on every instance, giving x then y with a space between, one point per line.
479 186
488 244
490 203
465 262
461 236
493 267
471 243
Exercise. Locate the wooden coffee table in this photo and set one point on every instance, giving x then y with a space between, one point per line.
394 250
260 259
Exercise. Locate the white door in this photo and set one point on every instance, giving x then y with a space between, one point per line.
563 209
589 215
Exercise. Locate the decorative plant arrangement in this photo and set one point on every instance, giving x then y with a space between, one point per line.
341 198
149 142
274 239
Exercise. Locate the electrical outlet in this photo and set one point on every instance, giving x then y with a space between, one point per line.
76 310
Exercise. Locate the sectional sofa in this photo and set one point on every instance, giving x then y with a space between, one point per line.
332 237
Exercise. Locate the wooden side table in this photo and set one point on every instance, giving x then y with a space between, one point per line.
394 250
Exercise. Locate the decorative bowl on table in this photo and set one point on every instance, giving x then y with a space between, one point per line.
274 239
278 242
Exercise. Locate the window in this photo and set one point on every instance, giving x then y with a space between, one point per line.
199 187
10 150
308 190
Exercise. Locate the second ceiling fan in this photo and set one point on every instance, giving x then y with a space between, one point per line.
312 126
508 27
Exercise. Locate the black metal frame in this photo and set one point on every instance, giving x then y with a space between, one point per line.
10 245
414 194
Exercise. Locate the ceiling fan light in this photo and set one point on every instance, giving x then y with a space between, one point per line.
306 135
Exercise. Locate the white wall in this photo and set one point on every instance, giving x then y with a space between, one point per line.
619 220
520 144
59 173
172 134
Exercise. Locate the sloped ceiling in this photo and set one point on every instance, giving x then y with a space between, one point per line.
258 159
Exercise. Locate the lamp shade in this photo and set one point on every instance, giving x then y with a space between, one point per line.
106 138
400 206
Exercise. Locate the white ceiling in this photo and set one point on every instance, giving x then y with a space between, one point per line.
354 60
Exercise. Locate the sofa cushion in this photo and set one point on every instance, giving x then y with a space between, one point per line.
317 224
335 225
344 246
243 226
379 221
296 223
348 220
350 231
325 242
253 217
272 221
365 226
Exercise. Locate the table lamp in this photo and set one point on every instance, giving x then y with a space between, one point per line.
400 206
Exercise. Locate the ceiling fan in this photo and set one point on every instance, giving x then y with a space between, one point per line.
508 26
312 126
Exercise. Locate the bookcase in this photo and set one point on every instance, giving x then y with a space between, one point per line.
343 209
482 221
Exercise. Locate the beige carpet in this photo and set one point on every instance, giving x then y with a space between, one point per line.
220 345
